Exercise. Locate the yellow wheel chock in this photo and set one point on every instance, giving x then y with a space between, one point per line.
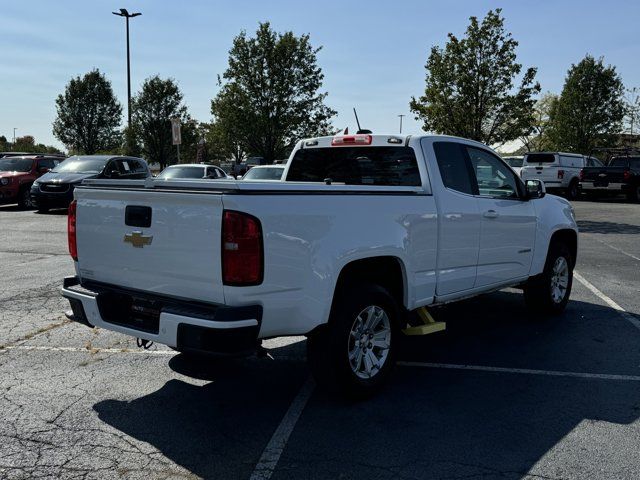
429 325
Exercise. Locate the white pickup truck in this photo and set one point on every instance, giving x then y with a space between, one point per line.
363 230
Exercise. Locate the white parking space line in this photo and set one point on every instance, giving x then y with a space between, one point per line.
619 250
87 350
623 313
272 452
527 371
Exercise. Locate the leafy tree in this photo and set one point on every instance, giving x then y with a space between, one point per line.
537 138
632 110
590 109
271 95
130 145
152 110
226 134
88 114
470 86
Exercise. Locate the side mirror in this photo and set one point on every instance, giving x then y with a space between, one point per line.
44 170
535 189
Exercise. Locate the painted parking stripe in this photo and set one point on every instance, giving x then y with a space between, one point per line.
623 313
87 350
271 454
526 371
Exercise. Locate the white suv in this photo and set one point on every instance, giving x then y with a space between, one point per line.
559 171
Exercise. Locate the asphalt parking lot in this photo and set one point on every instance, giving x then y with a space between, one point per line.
500 394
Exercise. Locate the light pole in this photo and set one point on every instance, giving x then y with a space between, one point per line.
124 13
13 146
401 122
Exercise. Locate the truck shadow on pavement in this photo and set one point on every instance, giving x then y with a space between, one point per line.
589 226
429 422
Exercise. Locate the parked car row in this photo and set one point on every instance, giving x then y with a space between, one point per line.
572 175
48 181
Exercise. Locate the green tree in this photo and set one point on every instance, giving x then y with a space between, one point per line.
538 138
470 86
275 83
590 109
88 114
226 135
152 110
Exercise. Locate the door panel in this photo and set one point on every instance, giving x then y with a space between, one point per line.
508 223
458 219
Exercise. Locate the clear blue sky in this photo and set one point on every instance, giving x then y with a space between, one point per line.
373 53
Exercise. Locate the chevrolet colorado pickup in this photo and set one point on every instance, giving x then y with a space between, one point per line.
362 230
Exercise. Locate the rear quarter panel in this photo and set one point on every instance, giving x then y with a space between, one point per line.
308 239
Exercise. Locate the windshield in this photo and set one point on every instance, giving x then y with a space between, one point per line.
514 162
81 165
632 162
540 158
16 164
272 173
356 166
181 172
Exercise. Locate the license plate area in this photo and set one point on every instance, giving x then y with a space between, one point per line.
600 183
130 311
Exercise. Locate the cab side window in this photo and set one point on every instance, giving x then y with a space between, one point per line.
453 166
493 177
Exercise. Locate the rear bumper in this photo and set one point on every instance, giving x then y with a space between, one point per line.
184 325
612 187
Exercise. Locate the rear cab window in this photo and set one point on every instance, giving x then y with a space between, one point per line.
538 158
379 166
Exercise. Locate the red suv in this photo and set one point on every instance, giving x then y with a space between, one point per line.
18 173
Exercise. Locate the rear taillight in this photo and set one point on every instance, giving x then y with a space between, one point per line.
351 140
242 262
560 174
71 230
581 175
626 175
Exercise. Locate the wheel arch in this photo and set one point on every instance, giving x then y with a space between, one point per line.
387 271
569 237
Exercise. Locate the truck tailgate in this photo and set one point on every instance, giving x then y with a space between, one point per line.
604 175
175 253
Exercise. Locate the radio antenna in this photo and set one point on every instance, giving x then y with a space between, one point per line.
357 121
360 130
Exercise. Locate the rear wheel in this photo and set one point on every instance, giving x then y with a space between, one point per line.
24 199
548 293
634 194
573 191
354 354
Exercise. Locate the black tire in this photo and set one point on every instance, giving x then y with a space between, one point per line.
573 191
24 199
539 290
634 194
328 349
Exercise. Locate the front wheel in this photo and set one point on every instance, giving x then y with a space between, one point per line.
354 354
548 293
24 199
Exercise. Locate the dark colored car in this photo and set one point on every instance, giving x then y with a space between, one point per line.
620 176
18 173
55 189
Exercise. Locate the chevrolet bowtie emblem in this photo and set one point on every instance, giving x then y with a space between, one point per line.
137 239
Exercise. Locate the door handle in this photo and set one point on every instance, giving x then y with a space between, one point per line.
490 214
